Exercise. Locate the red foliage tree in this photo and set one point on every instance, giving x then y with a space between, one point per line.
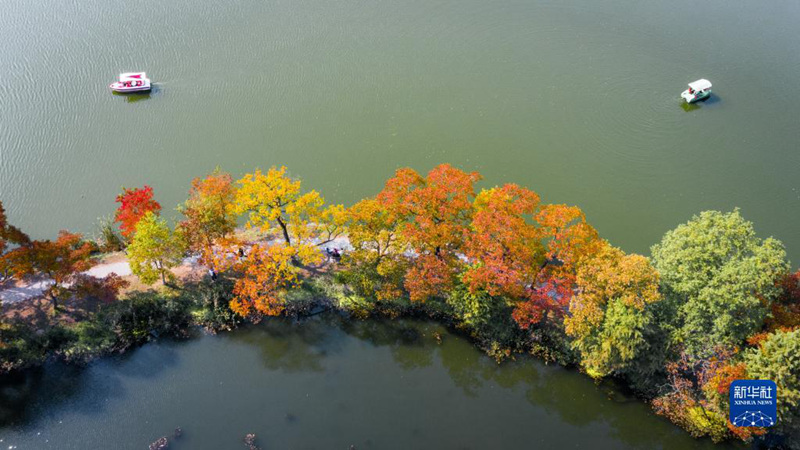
133 205
548 299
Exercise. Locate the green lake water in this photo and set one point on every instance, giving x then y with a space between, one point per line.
577 100
325 384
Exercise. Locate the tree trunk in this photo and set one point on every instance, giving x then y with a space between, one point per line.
161 269
285 231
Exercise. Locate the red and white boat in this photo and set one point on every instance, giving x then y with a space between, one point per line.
131 82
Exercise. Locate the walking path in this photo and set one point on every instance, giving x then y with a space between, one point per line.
119 265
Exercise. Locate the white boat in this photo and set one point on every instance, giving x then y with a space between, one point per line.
698 90
131 82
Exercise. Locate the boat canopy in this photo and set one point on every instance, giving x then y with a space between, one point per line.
700 85
132 75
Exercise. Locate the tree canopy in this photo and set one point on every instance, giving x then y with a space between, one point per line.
434 214
209 213
11 238
608 315
133 205
154 249
274 198
720 277
778 359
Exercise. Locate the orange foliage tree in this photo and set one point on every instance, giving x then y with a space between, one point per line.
61 260
568 241
568 238
11 241
210 217
434 213
133 205
267 273
503 241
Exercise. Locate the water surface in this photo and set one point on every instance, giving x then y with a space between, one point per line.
325 384
575 99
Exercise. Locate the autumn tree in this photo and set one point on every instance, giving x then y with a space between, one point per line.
376 265
133 205
209 213
434 213
61 261
721 278
267 274
609 314
503 241
154 249
11 239
786 307
567 237
274 200
549 297
696 394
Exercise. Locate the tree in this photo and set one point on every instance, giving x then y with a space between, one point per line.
61 260
11 239
133 205
566 242
275 198
376 265
209 213
786 307
549 297
267 274
778 359
154 249
503 242
721 278
609 314
434 214
696 396
568 238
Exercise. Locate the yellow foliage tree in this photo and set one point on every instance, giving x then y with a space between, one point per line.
274 200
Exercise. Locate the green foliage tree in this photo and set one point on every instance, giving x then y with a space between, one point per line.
778 359
154 249
720 278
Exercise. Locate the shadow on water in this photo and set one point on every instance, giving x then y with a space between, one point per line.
575 398
292 346
29 396
713 99
133 97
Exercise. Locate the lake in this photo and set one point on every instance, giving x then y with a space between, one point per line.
325 383
577 100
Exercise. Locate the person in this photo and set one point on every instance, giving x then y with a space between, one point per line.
212 274
336 255
241 252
